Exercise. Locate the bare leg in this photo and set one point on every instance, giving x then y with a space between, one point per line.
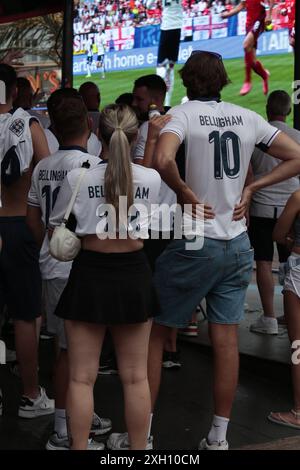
27 356
249 59
158 337
194 318
131 345
291 309
38 328
265 285
85 344
224 341
61 379
171 343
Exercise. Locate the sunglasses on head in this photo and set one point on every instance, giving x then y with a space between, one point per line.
215 54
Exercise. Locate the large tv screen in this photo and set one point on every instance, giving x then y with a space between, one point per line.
130 30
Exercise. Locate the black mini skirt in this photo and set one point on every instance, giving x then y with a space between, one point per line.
109 289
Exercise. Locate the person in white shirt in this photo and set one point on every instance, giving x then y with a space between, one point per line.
102 46
202 5
22 145
89 56
70 118
217 262
110 281
168 48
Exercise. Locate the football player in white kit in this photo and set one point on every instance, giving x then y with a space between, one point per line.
69 116
101 44
89 57
217 263
168 48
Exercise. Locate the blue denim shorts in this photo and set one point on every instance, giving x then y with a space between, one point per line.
220 272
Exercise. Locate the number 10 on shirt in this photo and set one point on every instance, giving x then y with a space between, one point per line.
222 161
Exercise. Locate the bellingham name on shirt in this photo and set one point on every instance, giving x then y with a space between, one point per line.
98 191
52 175
226 121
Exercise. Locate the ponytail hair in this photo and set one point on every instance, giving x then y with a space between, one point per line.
118 127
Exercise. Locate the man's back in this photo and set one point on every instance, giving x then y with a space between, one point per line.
220 138
18 158
47 180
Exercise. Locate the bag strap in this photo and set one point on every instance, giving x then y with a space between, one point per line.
75 192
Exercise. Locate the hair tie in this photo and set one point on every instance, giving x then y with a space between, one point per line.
118 128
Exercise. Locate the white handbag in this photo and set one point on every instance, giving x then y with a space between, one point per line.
64 244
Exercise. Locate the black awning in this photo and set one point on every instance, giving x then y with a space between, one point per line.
13 10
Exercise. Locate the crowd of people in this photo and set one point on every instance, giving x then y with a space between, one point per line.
90 15
83 213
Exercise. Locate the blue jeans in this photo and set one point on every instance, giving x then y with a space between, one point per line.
220 272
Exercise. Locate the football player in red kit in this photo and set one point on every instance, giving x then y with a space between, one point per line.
290 11
259 15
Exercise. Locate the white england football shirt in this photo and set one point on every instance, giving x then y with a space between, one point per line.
90 207
16 141
219 141
47 179
172 14
16 148
101 43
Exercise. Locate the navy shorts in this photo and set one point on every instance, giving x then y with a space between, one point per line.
261 236
220 272
20 278
168 48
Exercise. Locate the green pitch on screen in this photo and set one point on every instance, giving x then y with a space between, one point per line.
281 68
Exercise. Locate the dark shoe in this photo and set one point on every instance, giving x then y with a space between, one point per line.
108 368
171 360
44 334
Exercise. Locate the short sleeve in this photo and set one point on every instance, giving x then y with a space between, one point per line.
265 133
33 199
178 124
139 149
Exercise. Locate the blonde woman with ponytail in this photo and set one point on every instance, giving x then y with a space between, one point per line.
110 285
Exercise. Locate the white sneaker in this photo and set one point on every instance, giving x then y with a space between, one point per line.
205 445
267 326
120 441
100 425
57 442
41 406
93 445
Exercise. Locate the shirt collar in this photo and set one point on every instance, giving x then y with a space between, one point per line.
208 98
73 147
